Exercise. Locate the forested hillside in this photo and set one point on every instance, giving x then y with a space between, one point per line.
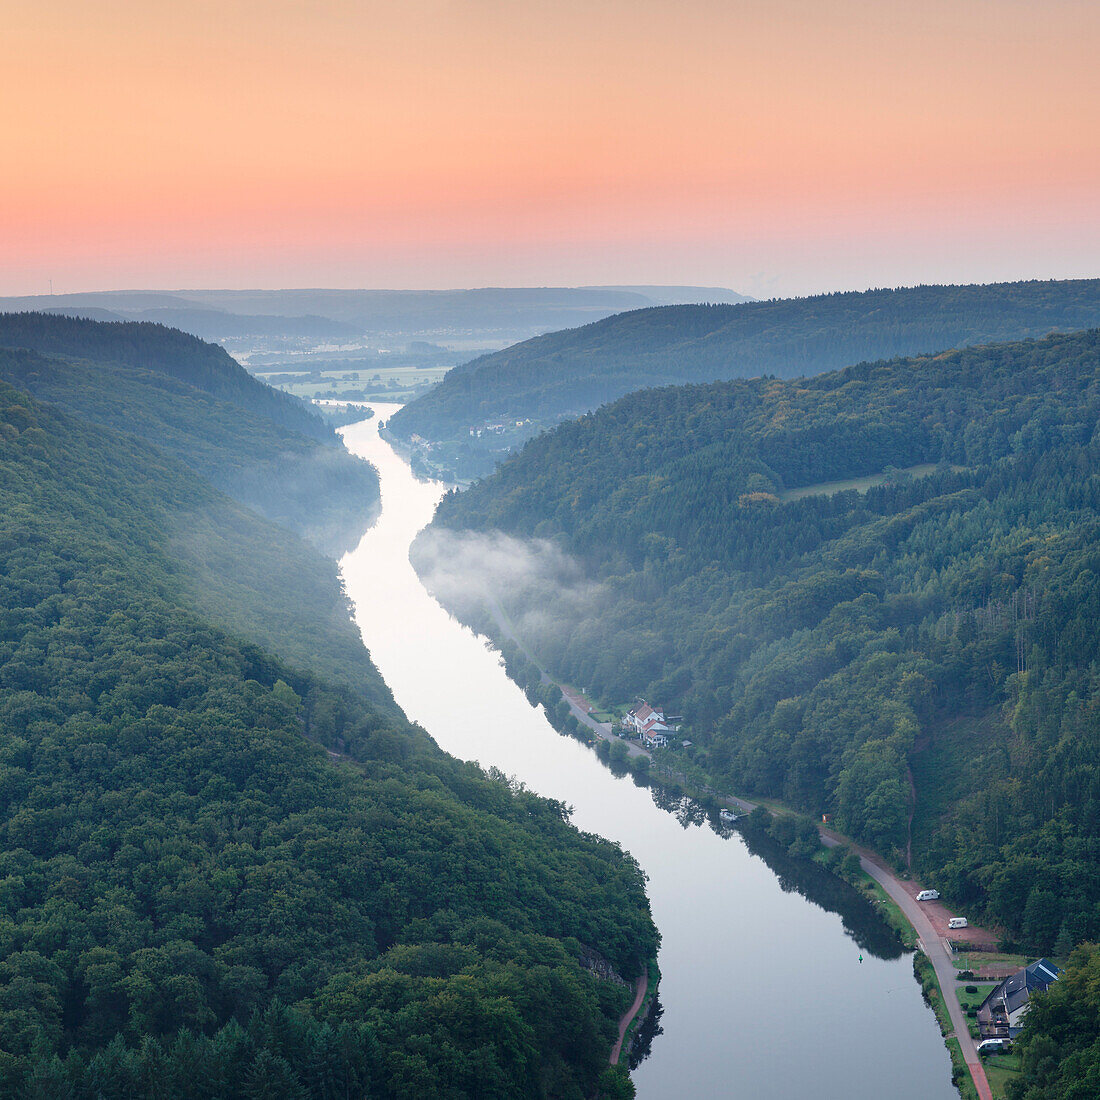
262 447
829 646
195 901
167 351
565 374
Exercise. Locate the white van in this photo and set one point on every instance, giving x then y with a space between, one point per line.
994 1046
957 922
928 895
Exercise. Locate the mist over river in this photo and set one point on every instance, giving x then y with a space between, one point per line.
762 990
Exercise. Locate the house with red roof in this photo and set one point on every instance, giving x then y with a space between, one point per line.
648 723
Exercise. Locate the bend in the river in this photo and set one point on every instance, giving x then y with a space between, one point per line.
763 992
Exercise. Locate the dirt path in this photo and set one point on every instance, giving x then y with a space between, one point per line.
641 985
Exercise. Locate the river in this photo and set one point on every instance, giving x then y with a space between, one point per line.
763 992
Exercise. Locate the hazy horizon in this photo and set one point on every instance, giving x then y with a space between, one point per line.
318 289
776 148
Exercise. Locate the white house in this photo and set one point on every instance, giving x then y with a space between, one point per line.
648 723
645 719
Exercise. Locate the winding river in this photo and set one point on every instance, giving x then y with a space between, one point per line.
763 992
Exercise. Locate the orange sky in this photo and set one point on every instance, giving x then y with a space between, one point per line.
774 147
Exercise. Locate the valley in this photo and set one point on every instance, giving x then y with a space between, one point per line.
727 975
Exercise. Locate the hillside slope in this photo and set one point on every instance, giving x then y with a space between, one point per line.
830 645
264 448
166 351
565 374
194 900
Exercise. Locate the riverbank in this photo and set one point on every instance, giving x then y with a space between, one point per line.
920 919
724 1002
645 989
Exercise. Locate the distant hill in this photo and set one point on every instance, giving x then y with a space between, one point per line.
872 582
89 313
217 324
266 449
511 395
487 317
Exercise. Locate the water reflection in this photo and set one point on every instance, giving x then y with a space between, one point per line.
642 1046
861 920
818 885
762 995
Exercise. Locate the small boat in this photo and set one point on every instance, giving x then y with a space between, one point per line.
729 815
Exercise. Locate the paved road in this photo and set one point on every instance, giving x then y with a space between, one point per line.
938 955
600 729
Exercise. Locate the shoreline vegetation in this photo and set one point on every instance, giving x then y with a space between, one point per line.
652 976
770 829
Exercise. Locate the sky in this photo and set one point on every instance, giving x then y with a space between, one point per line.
775 147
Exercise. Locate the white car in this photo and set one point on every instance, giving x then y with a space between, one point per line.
928 895
957 922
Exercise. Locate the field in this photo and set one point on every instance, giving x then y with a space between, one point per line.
1000 1069
978 961
396 384
859 484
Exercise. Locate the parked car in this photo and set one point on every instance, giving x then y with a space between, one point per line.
957 922
928 895
994 1046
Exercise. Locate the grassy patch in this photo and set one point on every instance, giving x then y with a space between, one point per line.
602 716
975 960
889 909
960 1074
859 484
972 1000
1000 1069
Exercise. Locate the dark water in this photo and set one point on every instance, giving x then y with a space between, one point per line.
762 993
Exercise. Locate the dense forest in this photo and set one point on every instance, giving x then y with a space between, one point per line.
196 899
264 448
871 592
1060 1045
511 395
